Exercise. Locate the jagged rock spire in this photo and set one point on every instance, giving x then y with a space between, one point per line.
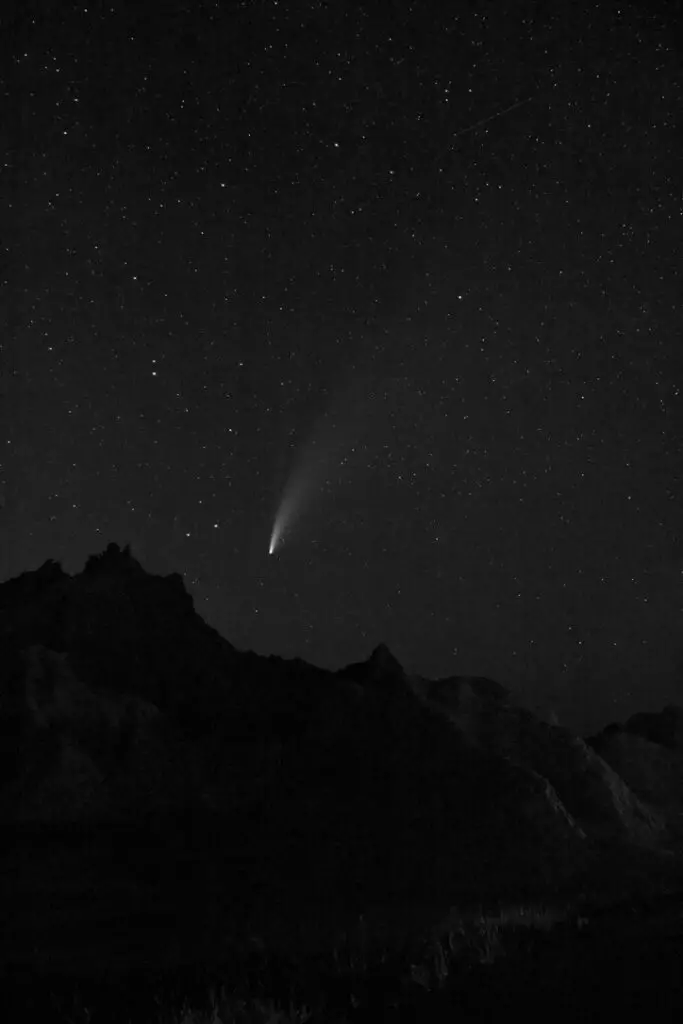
113 558
382 660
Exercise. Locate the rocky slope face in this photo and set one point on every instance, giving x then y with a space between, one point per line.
119 704
587 785
647 753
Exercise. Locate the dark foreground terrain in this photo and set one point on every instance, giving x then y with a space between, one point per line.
109 938
625 964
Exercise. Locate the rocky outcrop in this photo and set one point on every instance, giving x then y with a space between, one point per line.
587 786
84 754
380 759
647 753
664 727
653 771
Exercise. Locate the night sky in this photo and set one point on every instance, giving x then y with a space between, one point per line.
407 277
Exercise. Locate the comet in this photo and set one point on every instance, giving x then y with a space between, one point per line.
293 500
336 443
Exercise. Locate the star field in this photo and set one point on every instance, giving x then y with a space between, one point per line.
434 255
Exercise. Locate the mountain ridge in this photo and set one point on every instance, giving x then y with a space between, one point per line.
121 707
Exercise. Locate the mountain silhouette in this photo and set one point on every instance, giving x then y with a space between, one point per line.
248 788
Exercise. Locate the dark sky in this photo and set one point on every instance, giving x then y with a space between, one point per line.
409 273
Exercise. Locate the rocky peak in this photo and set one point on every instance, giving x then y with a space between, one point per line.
113 561
383 662
122 627
31 585
381 669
